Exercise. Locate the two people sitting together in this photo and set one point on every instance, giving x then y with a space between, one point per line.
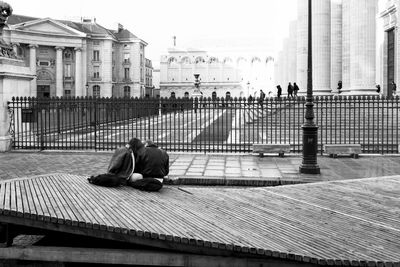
142 165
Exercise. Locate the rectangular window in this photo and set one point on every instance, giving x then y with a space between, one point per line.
67 92
96 55
67 71
126 73
126 57
96 72
141 74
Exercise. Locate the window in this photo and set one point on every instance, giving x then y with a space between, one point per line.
67 71
228 95
96 72
127 91
67 93
96 55
96 91
44 63
126 73
126 57
214 95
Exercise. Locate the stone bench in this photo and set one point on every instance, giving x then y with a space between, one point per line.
335 149
271 148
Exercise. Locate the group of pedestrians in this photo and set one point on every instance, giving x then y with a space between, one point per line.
291 90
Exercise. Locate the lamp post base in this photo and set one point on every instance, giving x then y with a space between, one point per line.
310 144
309 169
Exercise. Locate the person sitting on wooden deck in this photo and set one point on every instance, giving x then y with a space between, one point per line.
142 167
151 165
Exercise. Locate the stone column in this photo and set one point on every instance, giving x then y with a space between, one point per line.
362 46
32 66
302 48
59 71
321 26
346 45
78 72
292 52
336 44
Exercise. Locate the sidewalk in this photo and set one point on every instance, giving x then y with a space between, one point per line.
210 169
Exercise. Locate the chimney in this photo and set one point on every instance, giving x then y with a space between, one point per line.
120 27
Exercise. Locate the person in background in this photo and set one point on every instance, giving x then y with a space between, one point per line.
295 89
279 91
290 90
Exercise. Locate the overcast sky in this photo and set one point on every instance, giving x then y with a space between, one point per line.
261 23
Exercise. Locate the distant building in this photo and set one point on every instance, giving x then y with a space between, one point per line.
220 75
149 88
78 58
156 82
344 47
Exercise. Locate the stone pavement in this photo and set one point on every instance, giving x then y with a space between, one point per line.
205 169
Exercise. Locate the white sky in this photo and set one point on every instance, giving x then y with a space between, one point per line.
260 23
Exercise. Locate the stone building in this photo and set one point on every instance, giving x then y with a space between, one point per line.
78 58
344 47
220 75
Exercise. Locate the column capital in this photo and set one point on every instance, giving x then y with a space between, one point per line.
59 48
33 46
78 49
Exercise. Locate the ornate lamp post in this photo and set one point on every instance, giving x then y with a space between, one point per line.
196 91
310 130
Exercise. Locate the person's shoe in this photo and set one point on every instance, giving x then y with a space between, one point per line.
147 184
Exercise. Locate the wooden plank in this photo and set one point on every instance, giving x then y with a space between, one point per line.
53 201
7 198
2 197
13 200
27 212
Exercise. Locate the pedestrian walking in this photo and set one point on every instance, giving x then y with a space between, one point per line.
394 88
279 91
295 89
378 88
290 90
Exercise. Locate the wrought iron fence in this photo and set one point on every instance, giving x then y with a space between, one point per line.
204 125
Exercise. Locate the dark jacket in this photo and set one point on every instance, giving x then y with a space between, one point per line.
121 162
152 161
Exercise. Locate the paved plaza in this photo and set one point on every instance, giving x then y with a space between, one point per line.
206 169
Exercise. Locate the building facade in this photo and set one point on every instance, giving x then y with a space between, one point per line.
78 58
220 76
344 45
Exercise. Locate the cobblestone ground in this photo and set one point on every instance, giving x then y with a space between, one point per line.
23 164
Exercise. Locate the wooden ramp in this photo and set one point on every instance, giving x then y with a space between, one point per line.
353 222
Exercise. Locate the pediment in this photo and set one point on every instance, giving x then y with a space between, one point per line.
48 26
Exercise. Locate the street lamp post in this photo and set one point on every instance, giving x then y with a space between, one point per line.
196 91
310 130
248 88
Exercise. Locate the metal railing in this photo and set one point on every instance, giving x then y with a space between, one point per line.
203 125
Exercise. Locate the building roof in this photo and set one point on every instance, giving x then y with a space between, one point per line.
90 28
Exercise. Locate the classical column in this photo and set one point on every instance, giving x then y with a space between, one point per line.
78 72
301 73
362 46
32 65
292 47
346 46
59 71
321 27
336 44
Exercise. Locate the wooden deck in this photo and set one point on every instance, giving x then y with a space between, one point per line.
353 222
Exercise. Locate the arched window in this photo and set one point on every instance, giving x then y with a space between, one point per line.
227 61
172 94
213 60
228 95
96 90
171 60
186 94
186 61
199 60
214 95
127 91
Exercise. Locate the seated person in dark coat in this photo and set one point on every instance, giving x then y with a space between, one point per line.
151 165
